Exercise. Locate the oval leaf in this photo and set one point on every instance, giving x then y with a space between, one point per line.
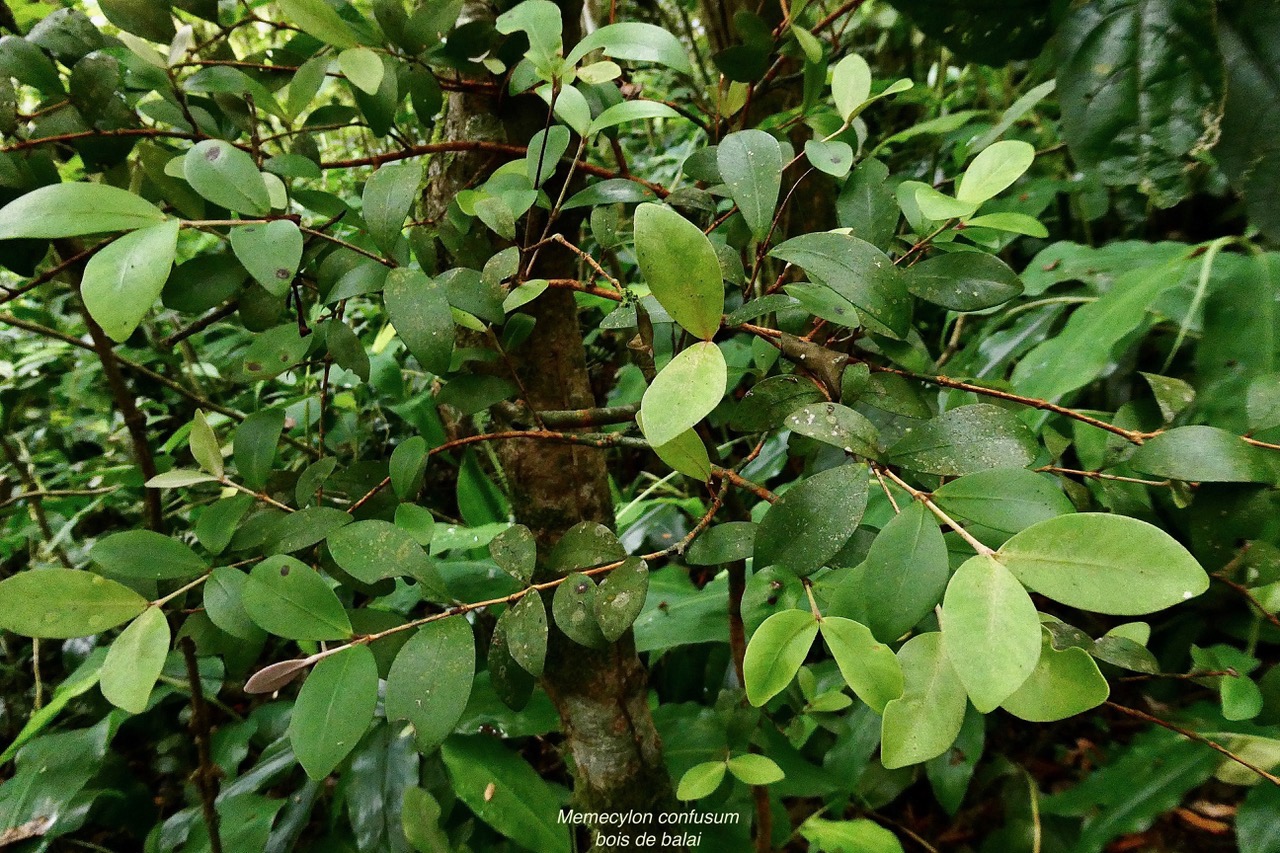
812 521
65 603
775 653
574 610
271 253
620 598
905 573
751 163
869 668
964 281
430 680
388 195
525 624
419 309
289 599
69 210
124 280
1063 684
226 176
333 709
683 393
134 661
147 554
926 720
965 440
680 266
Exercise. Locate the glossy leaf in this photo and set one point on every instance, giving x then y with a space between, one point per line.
254 446
869 668
525 624
204 445
812 521
227 176
372 550
223 602
836 425
751 163
318 18
1105 563
701 780
270 252
72 209
990 631
683 393
998 503
994 169
620 597
420 311
776 651
681 268
288 598
134 661
751 769
964 281
430 680
123 281
925 720
722 543
409 467
388 196
859 272
333 709
516 552
964 440
65 603
635 41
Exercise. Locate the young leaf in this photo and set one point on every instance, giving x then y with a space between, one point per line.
751 163
227 176
72 209
775 653
1104 563
835 157
939 206
333 709
271 253
620 598
146 554
254 446
850 85
990 631
419 309
134 661
388 196
755 769
681 268
204 445
525 624
905 573
288 598
684 392
994 169
868 667
540 21
926 719
629 111
701 780
685 453
812 521
363 69
430 680
1063 684
123 281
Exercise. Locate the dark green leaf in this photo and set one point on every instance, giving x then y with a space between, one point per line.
964 440
722 543
620 598
254 446
516 552
964 281
333 709
409 467
574 609
525 625
1205 454
812 521
751 163
905 573
420 311
289 599
388 195
430 681
147 554
859 272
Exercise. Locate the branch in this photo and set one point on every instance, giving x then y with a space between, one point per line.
1198 738
206 775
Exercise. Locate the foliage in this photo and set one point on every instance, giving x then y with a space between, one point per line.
912 395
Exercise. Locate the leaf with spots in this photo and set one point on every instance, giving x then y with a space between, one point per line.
620 598
430 680
288 598
333 709
271 252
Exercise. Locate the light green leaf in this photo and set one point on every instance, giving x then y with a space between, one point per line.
990 631
813 520
227 176
685 453
123 281
629 111
939 206
317 18
850 85
271 252
637 42
964 440
204 445
868 667
1063 684
905 573
178 478
72 209
1105 563
681 268
1011 221
388 196
859 272
849 836
701 780
288 598
408 467
65 603
751 163
540 21
223 594
753 769
419 309
430 680
147 554
683 393
1000 502
254 446
926 720
362 67
134 661
994 169
835 157
775 653
1206 454
333 709
620 598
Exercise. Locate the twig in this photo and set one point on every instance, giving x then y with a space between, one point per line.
206 774
936 510
1197 737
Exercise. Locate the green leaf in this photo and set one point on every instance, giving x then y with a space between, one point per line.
939 207
995 169
227 176
317 18
813 520
333 709
134 661
573 608
964 281
372 550
147 554
926 720
388 196
629 111
1116 123
506 793
288 598
525 624
755 769
363 69
419 309
585 545
540 21
516 552
420 815
430 680
683 393
867 205
1205 454
951 772
178 478
123 281
868 667
271 253
65 603
1105 563
1249 156
23 61
776 651
769 402
905 573
1063 684
685 453
409 467
964 440
223 602
990 631
835 158
637 42
846 836
205 446
544 153
1011 221
254 446
722 543
69 210
1000 502
859 272
681 268
850 85
701 780
620 598
1257 830
751 163
836 425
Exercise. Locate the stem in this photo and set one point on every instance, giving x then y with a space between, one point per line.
206 775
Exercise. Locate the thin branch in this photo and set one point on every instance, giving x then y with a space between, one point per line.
935 509
206 774
1198 738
